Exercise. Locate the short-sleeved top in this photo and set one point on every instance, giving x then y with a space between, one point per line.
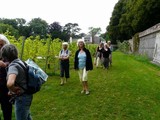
64 53
82 60
20 73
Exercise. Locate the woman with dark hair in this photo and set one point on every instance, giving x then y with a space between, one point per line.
111 49
99 55
106 52
17 83
83 63
6 106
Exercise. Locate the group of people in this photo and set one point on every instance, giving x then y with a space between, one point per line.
12 76
82 63
13 79
104 55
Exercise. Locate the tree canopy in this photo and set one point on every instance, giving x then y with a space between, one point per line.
37 26
132 16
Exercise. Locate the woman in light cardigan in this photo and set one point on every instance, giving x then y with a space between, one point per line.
64 63
83 63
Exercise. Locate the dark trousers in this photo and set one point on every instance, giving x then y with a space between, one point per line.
106 62
6 106
64 68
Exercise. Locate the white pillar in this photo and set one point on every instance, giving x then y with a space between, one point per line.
83 38
70 40
91 39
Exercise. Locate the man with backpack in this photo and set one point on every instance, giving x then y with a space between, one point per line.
17 83
64 63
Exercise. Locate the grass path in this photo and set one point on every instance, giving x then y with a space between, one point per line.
130 90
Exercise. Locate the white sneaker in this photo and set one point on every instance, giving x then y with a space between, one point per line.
87 92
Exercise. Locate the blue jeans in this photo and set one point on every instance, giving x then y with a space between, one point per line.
22 106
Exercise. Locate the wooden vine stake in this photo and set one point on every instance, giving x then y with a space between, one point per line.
48 53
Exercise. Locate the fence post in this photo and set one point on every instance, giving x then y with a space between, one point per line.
22 51
48 51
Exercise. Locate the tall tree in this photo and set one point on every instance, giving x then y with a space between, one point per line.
71 29
55 29
132 16
38 27
114 29
8 28
23 28
11 22
105 36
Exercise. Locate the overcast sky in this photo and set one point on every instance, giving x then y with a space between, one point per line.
87 13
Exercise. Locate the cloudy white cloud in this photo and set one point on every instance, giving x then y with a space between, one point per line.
86 13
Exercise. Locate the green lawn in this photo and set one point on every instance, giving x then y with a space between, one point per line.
129 90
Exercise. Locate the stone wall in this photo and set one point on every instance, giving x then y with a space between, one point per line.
157 48
131 44
150 43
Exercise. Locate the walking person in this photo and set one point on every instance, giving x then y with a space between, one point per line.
83 63
6 106
99 55
111 49
64 63
17 83
106 53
